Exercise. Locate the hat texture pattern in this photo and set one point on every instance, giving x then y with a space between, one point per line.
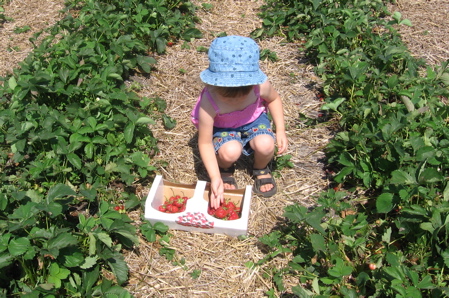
233 62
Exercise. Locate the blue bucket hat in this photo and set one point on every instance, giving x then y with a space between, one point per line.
233 62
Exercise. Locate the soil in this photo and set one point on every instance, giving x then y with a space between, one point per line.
214 265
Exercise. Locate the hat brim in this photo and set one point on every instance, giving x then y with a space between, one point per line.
233 79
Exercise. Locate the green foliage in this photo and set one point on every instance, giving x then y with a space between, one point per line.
391 152
267 54
46 248
23 29
3 17
69 128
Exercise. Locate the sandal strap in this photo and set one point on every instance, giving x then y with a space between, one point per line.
229 170
264 181
257 172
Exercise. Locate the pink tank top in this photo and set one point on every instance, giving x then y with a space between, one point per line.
234 119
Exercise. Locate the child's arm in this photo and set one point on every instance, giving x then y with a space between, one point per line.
274 104
207 152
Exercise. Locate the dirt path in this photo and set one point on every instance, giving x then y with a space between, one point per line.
220 259
37 15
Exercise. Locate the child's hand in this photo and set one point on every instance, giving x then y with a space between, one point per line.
282 142
216 195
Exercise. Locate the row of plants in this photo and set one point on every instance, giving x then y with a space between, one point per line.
70 129
382 230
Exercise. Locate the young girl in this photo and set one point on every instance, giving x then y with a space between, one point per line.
231 116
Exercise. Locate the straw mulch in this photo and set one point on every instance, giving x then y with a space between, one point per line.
38 15
220 259
428 38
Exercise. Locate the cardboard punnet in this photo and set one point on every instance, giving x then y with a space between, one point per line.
195 217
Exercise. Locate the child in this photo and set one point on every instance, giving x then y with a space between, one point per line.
231 117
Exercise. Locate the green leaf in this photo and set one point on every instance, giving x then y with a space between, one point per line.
149 234
386 237
169 122
145 62
75 160
5 260
446 192
340 269
343 173
427 226
145 120
129 132
384 203
314 219
92 244
59 191
333 105
89 262
401 177
62 240
318 242
59 272
76 137
115 76
395 272
105 238
162 228
430 175
191 33
12 83
406 22
119 268
445 78
18 246
89 150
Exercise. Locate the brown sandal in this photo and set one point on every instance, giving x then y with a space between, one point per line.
229 179
262 181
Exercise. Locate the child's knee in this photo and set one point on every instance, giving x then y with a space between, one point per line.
263 144
230 151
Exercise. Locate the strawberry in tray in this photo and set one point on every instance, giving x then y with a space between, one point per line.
227 211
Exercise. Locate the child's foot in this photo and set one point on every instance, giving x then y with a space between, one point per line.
227 175
264 183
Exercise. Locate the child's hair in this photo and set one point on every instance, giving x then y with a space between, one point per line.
232 92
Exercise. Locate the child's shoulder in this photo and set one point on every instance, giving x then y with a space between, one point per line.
265 89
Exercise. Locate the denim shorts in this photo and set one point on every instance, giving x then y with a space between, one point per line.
244 134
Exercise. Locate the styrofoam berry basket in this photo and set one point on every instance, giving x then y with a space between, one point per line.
195 217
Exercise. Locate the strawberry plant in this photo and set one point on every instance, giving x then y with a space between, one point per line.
69 130
384 233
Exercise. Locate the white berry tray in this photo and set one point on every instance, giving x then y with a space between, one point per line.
195 217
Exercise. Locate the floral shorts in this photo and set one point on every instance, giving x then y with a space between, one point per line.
244 134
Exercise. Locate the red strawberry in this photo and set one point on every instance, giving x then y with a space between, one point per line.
221 213
163 208
211 211
117 208
179 203
170 43
231 206
233 215
172 209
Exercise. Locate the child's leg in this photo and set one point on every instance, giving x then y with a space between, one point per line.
263 146
227 155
